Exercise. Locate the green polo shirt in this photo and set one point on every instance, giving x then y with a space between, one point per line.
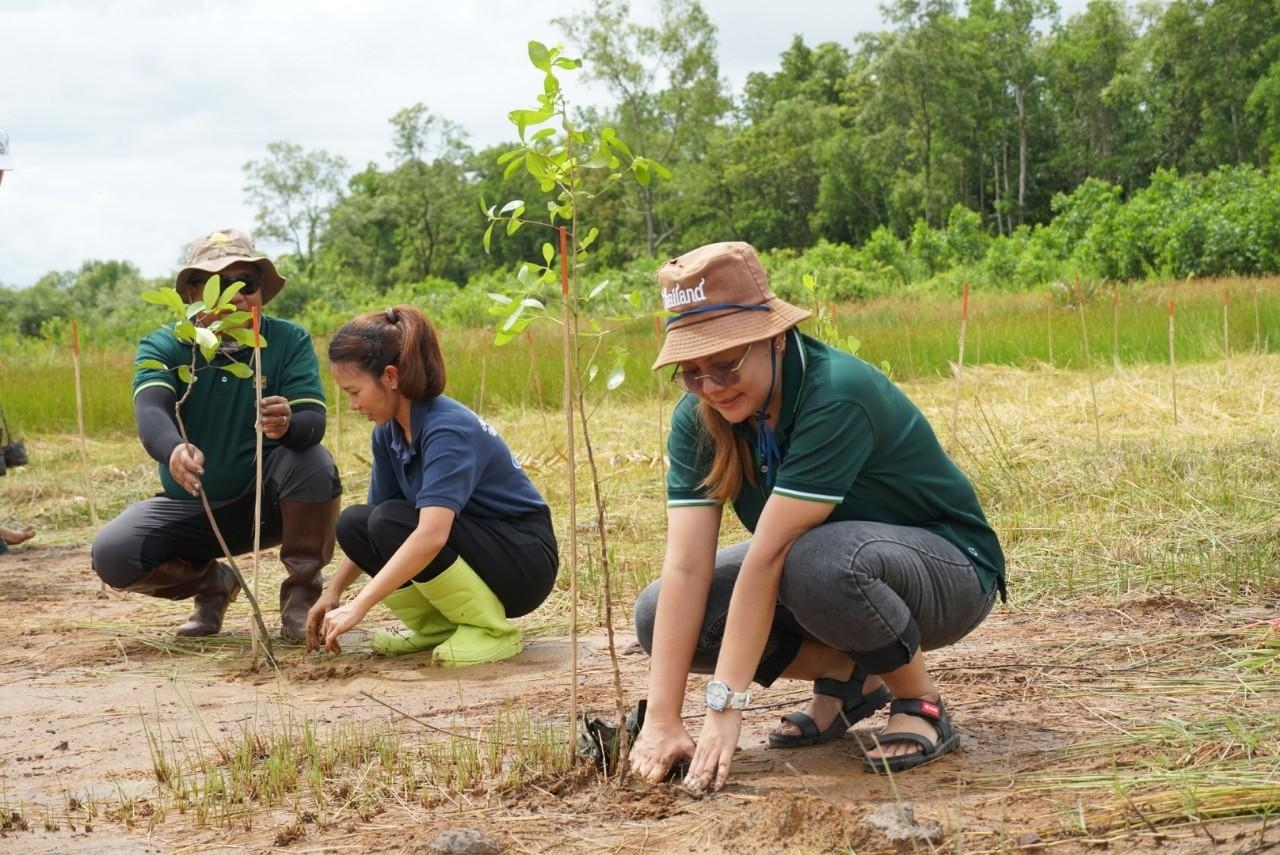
219 414
849 438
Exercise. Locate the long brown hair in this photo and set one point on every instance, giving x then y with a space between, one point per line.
731 461
401 336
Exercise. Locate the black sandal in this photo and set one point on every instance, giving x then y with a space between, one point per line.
935 714
855 706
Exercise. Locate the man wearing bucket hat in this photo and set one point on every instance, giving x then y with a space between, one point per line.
164 546
868 544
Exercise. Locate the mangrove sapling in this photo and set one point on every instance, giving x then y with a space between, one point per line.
206 325
561 160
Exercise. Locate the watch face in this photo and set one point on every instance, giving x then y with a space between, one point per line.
717 695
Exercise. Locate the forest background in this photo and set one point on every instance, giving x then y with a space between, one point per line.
988 143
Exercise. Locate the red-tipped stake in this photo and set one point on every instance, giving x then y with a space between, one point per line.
964 323
257 502
570 369
662 395
1173 366
1088 362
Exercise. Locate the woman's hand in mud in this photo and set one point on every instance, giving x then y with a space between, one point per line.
659 746
714 755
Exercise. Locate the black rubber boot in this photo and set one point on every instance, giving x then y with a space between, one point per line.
213 586
306 548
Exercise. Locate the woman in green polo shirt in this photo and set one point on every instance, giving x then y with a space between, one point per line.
868 544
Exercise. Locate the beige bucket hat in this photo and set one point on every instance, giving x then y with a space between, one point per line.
216 251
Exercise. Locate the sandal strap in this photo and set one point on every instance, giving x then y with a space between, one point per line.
920 708
843 690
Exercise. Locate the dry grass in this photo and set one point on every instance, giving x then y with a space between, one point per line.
1143 581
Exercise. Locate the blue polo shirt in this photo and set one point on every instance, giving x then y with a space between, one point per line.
852 439
455 460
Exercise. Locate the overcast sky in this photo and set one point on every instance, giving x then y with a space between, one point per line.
130 120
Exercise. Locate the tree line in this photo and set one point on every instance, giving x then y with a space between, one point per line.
991 140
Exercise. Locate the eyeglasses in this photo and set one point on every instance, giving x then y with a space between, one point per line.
723 375
252 282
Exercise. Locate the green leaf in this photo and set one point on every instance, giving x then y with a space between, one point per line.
590 238
488 237
513 226
212 287
616 377
502 299
511 206
245 337
641 172
512 168
195 308
238 369
164 297
205 339
567 63
596 290
185 374
548 252
542 134
185 331
235 319
810 283
539 56
592 371
152 364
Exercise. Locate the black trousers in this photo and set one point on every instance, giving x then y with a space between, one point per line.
517 557
158 529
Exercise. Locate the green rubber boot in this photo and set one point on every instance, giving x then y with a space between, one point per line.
426 626
484 634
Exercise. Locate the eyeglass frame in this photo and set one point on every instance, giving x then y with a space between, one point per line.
731 374
252 280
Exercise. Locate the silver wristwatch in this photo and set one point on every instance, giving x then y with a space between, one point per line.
720 697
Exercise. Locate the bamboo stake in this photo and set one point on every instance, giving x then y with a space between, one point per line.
257 499
964 322
662 396
84 447
1115 326
1088 363
1226 338
1257 322
1048 322
568 342
1173 366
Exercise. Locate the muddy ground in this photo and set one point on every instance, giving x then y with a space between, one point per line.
86 676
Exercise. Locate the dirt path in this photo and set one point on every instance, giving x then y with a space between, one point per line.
90 681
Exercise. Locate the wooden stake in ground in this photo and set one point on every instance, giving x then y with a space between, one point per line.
257 483
964 323
1226 333
84 447
1048 324
569 363
1173 366
1115 326
1088 363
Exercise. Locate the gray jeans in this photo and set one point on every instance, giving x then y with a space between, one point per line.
877 592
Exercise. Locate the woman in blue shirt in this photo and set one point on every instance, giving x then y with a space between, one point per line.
456 538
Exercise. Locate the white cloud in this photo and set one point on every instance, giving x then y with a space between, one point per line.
130 120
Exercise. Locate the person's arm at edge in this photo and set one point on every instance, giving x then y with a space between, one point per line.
687 569
751 610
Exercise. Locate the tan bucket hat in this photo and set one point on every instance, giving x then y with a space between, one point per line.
723 300
216 251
